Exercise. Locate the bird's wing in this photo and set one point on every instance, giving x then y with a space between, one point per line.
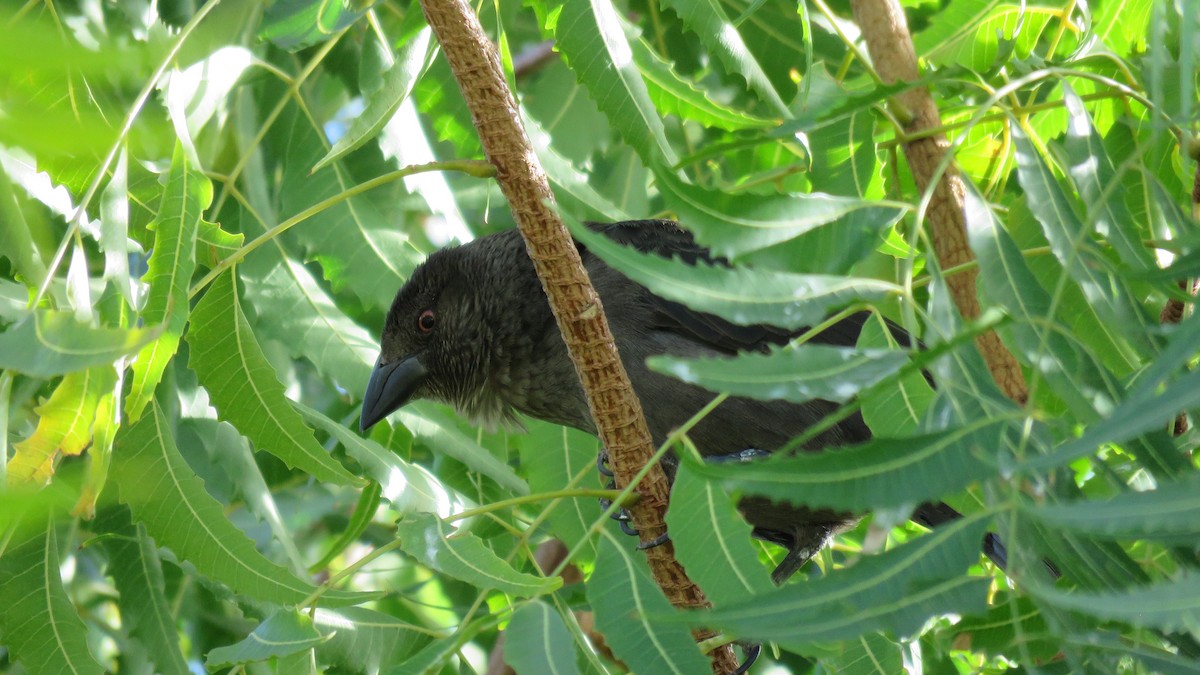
667 239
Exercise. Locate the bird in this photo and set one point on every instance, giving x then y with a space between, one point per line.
472 328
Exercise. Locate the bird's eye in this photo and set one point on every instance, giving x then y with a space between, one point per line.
425 322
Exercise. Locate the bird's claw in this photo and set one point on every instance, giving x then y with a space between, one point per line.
621 515
657 541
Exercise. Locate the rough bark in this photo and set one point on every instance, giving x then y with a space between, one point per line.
574 302
890 45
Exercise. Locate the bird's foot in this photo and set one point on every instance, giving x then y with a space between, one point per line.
621 515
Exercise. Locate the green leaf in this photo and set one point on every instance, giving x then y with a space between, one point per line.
244 389
157 484
591 38
356 240
537 641
1071 242
364 640
48 344
952 30
433 428
64 425
896 591
282 634
296 24
1093 174
137 572
734 225
707 19
172 262
114 229
214 244
739 294
554 457
40 625
464 556
383 103
408 487
675 95
1075 376
882 473
1168 605
571 187
869 654
797 374
305 319
1169 513
712 541
893 408
627 605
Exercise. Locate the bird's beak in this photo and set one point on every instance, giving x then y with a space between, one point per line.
391 386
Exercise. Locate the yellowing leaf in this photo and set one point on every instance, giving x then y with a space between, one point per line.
64 424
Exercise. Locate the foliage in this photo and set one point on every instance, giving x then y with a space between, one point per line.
203 220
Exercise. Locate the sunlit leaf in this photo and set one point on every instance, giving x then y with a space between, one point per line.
64 425
464 556
47 343
172 262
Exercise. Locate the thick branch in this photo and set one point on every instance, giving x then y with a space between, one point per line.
576 306
886 33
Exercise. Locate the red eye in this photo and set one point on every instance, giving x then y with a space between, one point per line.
425 322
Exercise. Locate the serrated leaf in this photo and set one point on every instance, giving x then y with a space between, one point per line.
712 541
434 428
365 640
707 19
537 641
734 225
1071 242
383 103
1170 513
104 430
1172 605
464 556
893 408
797 374
739 294
136 570
1074 375
282 634
214 244
628 607
570 184
896 591
172 262
244 389
675 95
163 493
64 425
40 625
408 487
589 35
48 343
1093 174
881 473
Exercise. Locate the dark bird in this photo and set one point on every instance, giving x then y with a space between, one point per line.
472 328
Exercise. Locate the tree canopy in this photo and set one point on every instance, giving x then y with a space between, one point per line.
207 208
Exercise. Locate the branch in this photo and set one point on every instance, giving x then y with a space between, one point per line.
575 304
888 41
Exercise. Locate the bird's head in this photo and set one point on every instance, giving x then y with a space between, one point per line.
435 341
